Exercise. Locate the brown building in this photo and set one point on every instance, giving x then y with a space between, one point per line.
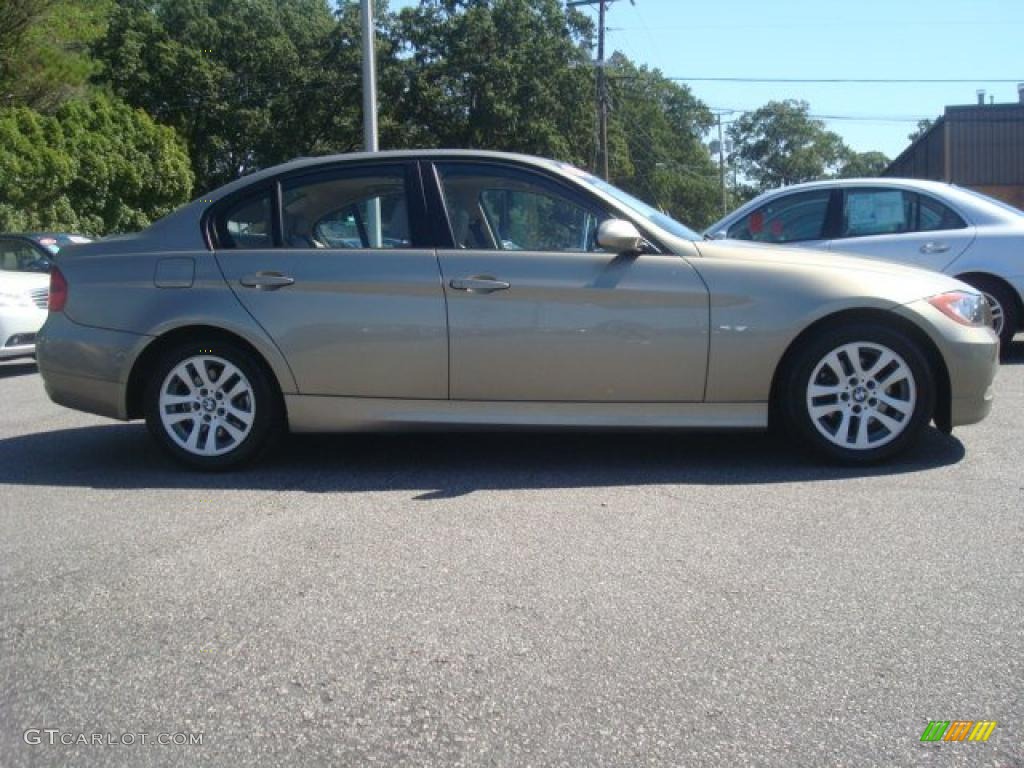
980 146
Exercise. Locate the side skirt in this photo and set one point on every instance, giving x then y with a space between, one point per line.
307 413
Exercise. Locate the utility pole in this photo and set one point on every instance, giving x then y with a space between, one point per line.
374 234
602 92
721 165
602 84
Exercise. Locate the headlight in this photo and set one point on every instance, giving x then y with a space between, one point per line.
965 308
15 299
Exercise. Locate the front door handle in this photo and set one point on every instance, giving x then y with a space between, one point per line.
480 284
934 248
267 281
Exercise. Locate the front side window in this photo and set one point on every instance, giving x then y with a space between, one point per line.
493 208
786 219
19 256
360 208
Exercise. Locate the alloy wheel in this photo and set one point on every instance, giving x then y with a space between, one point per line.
207 405
998 315
861 396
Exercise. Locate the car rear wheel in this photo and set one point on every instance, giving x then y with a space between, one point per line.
211 406
858 394
1005 317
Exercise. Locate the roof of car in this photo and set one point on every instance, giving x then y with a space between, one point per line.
868 181
391 154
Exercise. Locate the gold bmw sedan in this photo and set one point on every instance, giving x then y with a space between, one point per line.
444 289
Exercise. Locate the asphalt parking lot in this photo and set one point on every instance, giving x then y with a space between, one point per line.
507 600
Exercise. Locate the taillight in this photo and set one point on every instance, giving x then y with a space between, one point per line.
58 291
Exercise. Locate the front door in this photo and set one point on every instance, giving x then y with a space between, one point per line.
354 305
538 312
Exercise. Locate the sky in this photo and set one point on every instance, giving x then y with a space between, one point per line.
863 39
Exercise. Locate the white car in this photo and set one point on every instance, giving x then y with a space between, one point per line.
928 224
24 288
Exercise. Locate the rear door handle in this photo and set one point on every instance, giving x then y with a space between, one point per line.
481 284
267 281
934 248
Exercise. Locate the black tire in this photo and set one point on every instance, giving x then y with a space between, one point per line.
261 397
794 404
1007 300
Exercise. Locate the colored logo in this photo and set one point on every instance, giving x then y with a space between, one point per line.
958 730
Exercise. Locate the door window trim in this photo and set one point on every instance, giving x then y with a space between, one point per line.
444 238
829 225
916 224
416 207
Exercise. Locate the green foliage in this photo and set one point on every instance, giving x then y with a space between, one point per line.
921 130
243 82
656 148
779 144
250 83
512 75
95 166
44 57
863 165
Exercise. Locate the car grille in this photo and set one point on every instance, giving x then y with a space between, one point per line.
40 297
21 339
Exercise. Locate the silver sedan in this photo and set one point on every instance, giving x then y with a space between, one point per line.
442 289
927 224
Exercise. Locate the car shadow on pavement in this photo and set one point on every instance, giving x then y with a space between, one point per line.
19 368
445 465
1014 354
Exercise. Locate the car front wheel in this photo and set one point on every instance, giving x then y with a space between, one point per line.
211 405
859 394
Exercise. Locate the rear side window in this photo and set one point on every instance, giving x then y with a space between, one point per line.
933 215
869 212
351 208
248 224
787 219
877 212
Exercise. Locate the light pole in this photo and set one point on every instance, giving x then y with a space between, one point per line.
369 79
370 114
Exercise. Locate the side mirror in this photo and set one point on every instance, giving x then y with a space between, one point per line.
620 236
719 235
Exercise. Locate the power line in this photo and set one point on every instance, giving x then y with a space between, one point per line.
870 80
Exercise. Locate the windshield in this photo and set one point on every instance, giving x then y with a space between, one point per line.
653 215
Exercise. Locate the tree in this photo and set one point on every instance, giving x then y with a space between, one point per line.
656 148
245 84
95 166
44 57
922 129
779 144
497 74
863 165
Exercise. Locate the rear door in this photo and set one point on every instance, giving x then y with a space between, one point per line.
538 312
901 225
333 266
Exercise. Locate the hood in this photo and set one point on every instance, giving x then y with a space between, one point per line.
916 282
